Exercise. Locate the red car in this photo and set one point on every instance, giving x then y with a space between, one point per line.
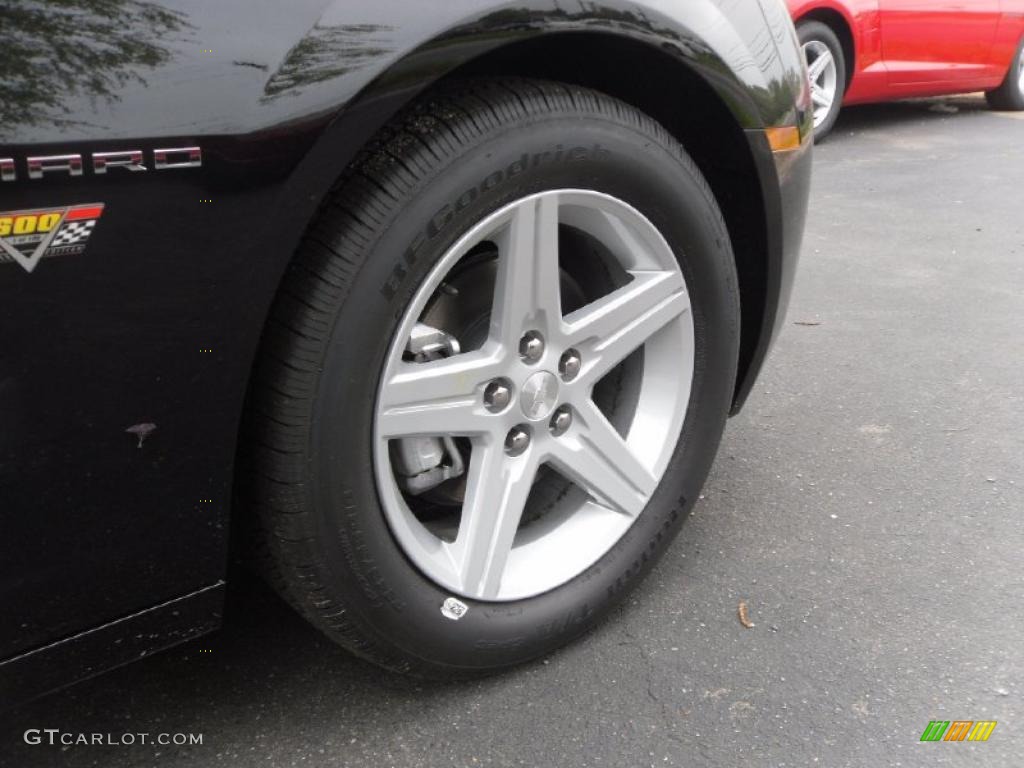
877 50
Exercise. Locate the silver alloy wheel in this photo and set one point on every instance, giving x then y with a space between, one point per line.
493 557
824 77
1020 71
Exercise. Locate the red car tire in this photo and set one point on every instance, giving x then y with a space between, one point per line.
1010 95
826 66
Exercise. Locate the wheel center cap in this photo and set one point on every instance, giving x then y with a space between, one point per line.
538 395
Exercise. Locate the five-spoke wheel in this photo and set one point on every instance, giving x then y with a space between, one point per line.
523 398
494 379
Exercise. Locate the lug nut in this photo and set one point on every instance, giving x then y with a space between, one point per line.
561 420
517 440
569 365
497 396
531 346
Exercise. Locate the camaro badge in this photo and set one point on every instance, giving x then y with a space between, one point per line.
28 236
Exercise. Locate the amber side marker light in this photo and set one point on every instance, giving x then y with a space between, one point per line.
783 138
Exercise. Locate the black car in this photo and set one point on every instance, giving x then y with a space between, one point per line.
445 308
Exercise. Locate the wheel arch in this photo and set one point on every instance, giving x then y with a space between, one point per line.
835 19
694 111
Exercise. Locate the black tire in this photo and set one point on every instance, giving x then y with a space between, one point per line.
1010 95
307 444
815 31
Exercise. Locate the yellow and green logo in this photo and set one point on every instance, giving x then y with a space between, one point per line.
958 730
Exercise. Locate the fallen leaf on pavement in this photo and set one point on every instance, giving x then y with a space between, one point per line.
744 619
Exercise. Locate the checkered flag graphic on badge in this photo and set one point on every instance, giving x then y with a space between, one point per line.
73 232
49 232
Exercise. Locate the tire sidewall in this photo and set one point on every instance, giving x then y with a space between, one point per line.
1015 97
1010 93
808 31
388 595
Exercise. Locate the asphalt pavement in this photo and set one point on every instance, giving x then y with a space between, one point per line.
866 506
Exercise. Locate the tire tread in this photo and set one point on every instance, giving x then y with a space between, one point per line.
275 446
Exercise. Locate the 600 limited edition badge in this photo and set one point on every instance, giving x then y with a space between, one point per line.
28 236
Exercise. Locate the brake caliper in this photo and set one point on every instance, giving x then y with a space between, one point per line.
422 463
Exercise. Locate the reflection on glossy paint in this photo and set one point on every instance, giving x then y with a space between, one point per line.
92 48
328 52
